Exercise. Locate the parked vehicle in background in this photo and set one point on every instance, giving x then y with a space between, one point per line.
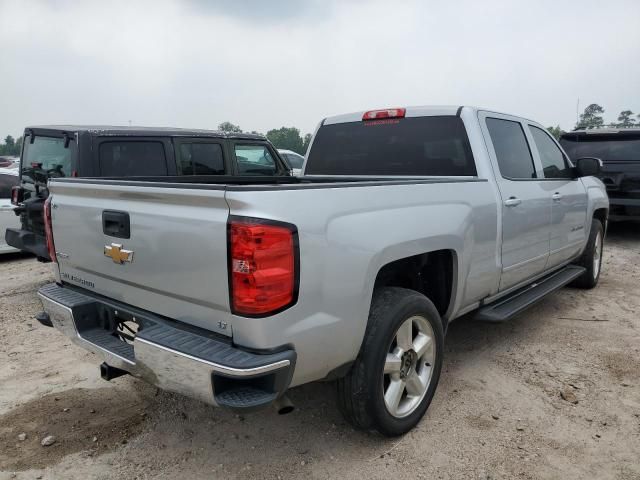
619 150
8 219
232 290
98 151
295 160
9 162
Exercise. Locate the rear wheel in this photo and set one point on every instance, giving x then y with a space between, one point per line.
591 258
394 378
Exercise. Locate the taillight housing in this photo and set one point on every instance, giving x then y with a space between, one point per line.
48 230
17 195
263 266
384 113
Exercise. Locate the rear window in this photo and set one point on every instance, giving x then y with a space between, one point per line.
614 147
45 158
417 146
130 159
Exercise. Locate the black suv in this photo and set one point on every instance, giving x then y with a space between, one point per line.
83 151
619 150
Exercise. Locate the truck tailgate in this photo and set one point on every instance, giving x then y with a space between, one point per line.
177 267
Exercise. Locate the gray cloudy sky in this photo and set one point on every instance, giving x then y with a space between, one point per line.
265 64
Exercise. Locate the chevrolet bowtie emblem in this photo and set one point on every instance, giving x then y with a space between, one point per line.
116 253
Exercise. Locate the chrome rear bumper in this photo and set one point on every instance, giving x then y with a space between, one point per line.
170 355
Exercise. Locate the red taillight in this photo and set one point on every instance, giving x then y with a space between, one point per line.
385 113
17 195
49 231
263 266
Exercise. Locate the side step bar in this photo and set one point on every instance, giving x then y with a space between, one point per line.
517 302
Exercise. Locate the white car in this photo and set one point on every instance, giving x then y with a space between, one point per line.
8 219
295 160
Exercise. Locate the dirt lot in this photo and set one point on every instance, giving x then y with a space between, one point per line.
499 411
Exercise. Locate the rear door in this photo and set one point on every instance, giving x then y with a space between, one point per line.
526 208
568 199
159 247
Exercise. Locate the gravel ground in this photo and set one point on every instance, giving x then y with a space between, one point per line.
555 393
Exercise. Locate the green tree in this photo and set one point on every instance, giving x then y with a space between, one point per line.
287 138
591 118
555 131
625 120
305 143
9 142
11 147
229 127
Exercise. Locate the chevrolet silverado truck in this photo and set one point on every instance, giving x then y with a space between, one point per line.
619 150
232 290
62 151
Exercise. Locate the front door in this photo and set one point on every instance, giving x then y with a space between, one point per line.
568 195
526 208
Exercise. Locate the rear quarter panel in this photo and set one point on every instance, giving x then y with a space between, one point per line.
346 235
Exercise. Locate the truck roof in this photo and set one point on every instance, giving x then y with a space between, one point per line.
108 130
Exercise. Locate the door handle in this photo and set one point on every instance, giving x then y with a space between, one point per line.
512 202
557 196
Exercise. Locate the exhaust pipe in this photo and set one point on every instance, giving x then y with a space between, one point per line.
108 373
283 405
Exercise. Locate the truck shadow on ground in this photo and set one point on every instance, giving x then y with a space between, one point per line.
13 256
316 428
624 233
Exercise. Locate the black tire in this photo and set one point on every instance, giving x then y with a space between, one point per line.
361 391
590 277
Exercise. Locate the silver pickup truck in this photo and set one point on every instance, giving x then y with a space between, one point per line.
234 289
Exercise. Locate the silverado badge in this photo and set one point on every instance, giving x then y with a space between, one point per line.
116 253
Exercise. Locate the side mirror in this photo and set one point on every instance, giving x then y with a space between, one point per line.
588 167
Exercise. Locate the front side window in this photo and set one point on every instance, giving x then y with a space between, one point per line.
512 150
554 164
132 158
201 159
46 158
255 160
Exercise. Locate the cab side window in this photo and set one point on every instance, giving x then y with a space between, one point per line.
554 164
512 150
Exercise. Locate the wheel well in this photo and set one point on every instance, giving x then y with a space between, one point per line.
428 273
601 214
